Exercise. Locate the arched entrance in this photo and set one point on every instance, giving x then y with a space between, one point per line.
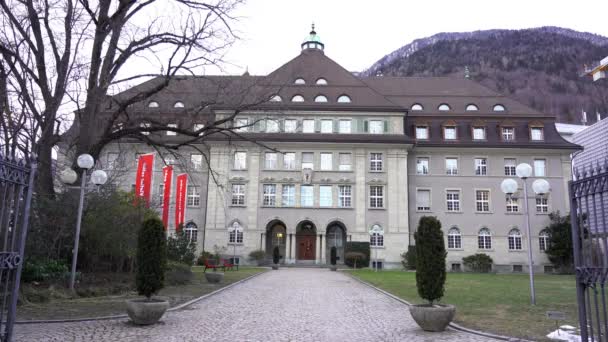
306 241
276 235
336 236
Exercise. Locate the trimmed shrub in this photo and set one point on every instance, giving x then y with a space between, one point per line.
478 262
151 257
178 273
43 270
430 259
355 259
276 255
408 259
360 247
258 256
333 256
180 248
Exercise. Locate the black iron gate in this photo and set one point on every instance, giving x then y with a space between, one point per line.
16 186
589 207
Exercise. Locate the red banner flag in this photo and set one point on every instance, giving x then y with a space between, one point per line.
167 180
180 199
143 179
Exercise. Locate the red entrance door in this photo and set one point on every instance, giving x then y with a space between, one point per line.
306 247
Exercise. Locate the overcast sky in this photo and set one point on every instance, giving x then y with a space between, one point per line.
357 33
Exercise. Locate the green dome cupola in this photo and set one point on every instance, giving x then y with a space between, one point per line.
313 41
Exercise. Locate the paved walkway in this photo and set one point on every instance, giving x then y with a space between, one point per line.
286 305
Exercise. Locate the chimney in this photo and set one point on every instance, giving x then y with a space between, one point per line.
599 116
584 118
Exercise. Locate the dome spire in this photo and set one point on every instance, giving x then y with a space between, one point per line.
313 41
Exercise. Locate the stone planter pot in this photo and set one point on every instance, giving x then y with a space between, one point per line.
333 268
146 312
433 318
214 277
275 266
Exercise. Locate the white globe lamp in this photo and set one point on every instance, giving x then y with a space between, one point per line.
68 176
523 170
541 187
99 177
85 161
509 186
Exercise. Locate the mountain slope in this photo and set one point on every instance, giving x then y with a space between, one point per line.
540 67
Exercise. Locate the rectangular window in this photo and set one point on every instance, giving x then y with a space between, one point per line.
238 194
376 240
512 205
289 161
145 125
307 160
453 200
345 196
325 196
270 160
172 132
326 161
454 240
508 133
196 160
481 166
376 196
345 160
194 197
542 205
270 195
345 126
290 125
272 126
518 268
510 164
308 126
449 133
241 125
198 127
451 166
540 168
422 166
423 200
289 195
240 160
536 133
112 161
482 201
375 162
307 196
479 133
455 267
161 194
422 132
235 236
376 127
327 126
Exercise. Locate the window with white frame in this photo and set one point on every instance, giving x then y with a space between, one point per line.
453 200
471 108
542 204
512 205
289 161
145 126
514 239
174 126
238 194
241 125
308 160
482 201
422 132
499 108
345 162
308 126
423 200
196 160
484 239
270 160
327 126
290 125
510 165
449 132
289 195
270 195
481 166
191 231
417 107
240 160
235 235
451 166
321 98
197 127
376 196
508 133
454 238
422 166
443 107
375 162
345 196
272 126
194 197
325 196
479 133
543 240
307 196
540 168
297 98
376 239
376 127
326 161
344 126
321 81
344 99
536 133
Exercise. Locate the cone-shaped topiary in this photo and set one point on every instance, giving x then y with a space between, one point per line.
276 255
430 259
151 257
333 255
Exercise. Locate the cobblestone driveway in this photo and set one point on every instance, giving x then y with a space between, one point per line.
286 305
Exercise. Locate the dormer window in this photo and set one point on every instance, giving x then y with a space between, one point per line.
178 104
321 98
472 108
321 81
422 132
537 131
479 133
449 132
417 107
508 134
174 126
344 99
444 107
499 108
297 98
276 98
153 104
299 81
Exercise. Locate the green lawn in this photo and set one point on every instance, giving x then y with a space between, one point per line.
115 305
497 303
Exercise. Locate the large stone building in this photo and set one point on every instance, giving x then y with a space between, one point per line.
332 155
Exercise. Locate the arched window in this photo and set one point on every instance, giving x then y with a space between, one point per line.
543 240
276 98
471 108
191 231
297 98
484 239
321 98
321 81
514 239
376 239
499 108
153 104
454 238
178 104
417 106
344 99
444 107
235 233
299 81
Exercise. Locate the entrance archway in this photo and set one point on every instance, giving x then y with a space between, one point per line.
276 235
306 241
336 236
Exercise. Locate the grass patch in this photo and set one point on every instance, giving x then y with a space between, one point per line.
497 303
61 307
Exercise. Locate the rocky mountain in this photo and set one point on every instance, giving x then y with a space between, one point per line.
540 67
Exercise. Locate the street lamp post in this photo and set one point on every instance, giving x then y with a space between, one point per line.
540 186
69 176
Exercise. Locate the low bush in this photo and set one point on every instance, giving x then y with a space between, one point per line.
408 259
43 271
355 259
478 262
178 273
360 247
258 256
180 248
